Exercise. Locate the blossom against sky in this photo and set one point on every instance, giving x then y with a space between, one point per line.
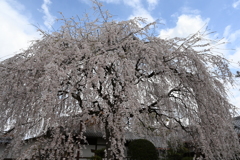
20 19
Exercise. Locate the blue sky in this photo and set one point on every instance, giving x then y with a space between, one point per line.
19 18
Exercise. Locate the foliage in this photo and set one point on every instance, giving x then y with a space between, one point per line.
142 149
95 158
179 153
121 76
100 152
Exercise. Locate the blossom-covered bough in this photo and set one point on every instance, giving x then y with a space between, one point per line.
121 77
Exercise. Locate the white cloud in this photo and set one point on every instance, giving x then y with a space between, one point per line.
141 12
186 25
16 29
48 18
236 4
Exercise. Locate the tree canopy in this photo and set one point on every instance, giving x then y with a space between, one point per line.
125 78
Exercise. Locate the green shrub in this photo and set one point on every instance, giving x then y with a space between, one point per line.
95 158
180 153
100 153
142 149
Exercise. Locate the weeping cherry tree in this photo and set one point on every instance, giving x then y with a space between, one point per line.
122 77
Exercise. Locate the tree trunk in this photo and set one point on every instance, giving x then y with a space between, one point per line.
109 154
119 143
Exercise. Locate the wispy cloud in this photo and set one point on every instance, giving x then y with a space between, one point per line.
16 29
188 10
227 31
236 4
110 1
185 10
152 4
234 36
48 18
132 3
